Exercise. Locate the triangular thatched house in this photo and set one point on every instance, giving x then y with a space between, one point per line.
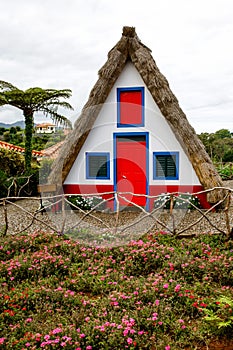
132 135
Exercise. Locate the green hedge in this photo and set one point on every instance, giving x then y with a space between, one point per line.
13 181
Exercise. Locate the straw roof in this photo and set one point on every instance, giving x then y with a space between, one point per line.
130 48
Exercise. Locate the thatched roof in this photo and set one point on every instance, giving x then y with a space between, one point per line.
130 48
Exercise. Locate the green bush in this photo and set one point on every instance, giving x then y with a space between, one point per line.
219 316
13 181
225 170
11 166
19 186
3 184
12 163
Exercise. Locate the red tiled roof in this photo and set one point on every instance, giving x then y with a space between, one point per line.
44 125
50 152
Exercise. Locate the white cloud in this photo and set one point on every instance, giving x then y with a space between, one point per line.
63 44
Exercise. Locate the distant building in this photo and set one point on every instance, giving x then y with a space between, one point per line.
45 128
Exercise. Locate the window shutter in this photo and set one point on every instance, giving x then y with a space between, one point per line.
97 165
166 166
171 166
161 166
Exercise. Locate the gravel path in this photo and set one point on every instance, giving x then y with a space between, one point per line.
101 227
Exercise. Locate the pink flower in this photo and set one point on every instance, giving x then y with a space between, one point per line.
129 340
57 330
2 340
38 336
165 286
157 302
132 321
28 320
141 332
89 347
177 288
82 335
167 347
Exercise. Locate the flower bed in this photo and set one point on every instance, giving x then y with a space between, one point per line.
153 293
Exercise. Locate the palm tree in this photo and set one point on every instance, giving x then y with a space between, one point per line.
33 100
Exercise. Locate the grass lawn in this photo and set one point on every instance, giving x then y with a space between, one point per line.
155 293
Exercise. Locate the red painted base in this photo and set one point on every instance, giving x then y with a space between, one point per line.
107 192
157 190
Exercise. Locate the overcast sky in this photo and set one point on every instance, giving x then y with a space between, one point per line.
63 43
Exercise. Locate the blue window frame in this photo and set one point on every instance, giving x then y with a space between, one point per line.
97 165
166 165
130 106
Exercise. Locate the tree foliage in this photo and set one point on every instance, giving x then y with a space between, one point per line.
219 145
46 101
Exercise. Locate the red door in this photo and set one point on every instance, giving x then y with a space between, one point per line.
131 169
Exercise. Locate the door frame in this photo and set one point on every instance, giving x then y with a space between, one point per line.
130 134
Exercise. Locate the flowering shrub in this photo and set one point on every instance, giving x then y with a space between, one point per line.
87 203
188 201
79 202
181 201
152 293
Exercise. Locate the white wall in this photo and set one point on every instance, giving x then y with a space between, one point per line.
161 137
45 130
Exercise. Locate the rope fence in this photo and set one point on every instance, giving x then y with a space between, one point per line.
175 213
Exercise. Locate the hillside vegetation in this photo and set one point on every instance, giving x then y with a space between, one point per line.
15 135
155 293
